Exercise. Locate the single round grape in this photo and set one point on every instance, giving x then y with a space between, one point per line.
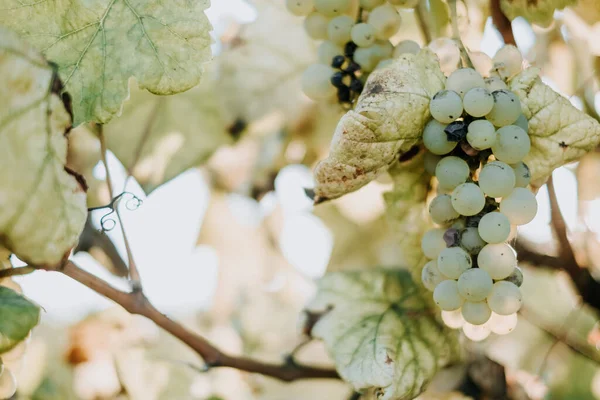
494 83
327 50
476 313
300 8
476 333
332 8
464 79
508 61
339 28
370 4
512 144
516 277
451 171
315 25
481 134
522 174
405 3
503 324
386 20
470 241
436 140
384 63
367 58
363 34
431 275
446 295
453 261
316 81
433 242
431 161
505 298
498 260
446 106
8 384
482 62
441 210
475 284
522 123
468 199
383 49
497 179
447 52
453 319
520 206
494 227
478 102
506 110
406 47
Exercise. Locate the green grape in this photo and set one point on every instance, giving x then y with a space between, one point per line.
316 25
494 227
448 53
478 102
431 275
512 144
363 34
446 295
522 123
435 139
406 47
441 210
453 261
520 206
498 260
332 8
494 83
327 50
476 313
433 243
505 298
383 49
300 8
475 284
503 324
430 161
370 4
386 20
468 199
508 61
446 106
464 79
481 62
8 384
471 241
516 277
338 30
506 110
481 134
453 319
522 174
451 171
404 3
367 58
316 81
497 179
476 333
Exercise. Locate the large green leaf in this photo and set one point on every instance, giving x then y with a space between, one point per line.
18 316
42 206
539 12
99 44
379 328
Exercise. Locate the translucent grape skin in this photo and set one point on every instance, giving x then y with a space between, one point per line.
8 384
520 206
498 260
453 261
453 319
481 134
505 298
441 210
522 123
327 50
497 179
448 53
446 106
386 20
481 62
433 243
300 8
451 171
405 47
506 110
475 284
363 34
503 324
436 140
522 174
367 58
339 28
370 4
316 81
476 313
494 83
468 199
431 275
476 333
431 161
470 241
478 102
494 227
464 79
508 61
315 25
446 295
332 8
512 144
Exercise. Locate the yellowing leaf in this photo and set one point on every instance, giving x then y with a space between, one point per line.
42 206
559 132
99 44
388 120
381 332
539 12
18 317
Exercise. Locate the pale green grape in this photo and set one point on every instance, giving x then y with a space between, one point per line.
316 81
8 384
446 106
506 110
434 137
476 333
451 171
453 261
481 134
522 174
520 206
430 161
505 298
498 260
508 61
386 20
367 58
478 102
503 324
471 241
327 50
405 47
431 275
453 319
522 123
482 62
383 49
315 25
339 28
497 179
363 34
370 4
512 144
433 243
476 313
468 199
448 53
299 7
475 284
441 210
516 277
332 8
404 3
494 83
464 79
446 295
494 227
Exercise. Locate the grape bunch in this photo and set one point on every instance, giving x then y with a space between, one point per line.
355 40
476 143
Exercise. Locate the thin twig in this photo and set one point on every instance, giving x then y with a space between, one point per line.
456 35
564 330
6 273
502 23
422 22
559 227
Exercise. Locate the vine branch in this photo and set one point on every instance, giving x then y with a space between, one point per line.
6 273
502 23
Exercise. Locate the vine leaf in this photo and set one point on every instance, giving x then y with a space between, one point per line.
388 119
381 332
98 45
19 317
559 132
42 205
540 12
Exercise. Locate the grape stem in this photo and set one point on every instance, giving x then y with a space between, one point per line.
466 60
6 273
422 22
502 23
